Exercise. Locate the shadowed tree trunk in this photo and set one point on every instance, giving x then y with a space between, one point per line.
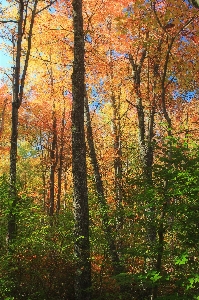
100 193
81 210
161 228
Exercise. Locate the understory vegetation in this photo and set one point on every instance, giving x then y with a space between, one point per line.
40 264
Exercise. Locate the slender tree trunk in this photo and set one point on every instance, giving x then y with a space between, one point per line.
118 170
12 226
53 151
18 87
166 198
117 149
81 210
43 167
145 137
44 187
100 193
53 166
161 233
59 179
2 117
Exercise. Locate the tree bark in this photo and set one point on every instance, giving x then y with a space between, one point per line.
81 210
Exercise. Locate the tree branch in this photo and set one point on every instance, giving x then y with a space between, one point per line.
8 21
28 51
51 3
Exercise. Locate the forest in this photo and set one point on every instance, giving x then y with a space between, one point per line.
99 150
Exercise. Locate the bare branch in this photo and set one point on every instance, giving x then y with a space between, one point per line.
156 15
28 51
8 21
47 6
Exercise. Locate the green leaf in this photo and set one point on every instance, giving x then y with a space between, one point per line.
155 276
182 260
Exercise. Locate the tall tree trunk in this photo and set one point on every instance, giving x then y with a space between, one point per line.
12 227
118 168
53 151
117 146
60 167
166 198
18 87
53 165
145 136
81 210
100 193
44 169
2 117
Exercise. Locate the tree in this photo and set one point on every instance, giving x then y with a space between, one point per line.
18 91
21 56
100 194
81 210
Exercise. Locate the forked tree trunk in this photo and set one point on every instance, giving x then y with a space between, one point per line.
81 210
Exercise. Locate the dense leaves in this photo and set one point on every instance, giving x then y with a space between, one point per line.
140 92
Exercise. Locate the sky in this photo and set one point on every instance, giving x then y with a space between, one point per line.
5 62
5 59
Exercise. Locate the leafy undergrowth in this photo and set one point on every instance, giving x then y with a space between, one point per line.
49 275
